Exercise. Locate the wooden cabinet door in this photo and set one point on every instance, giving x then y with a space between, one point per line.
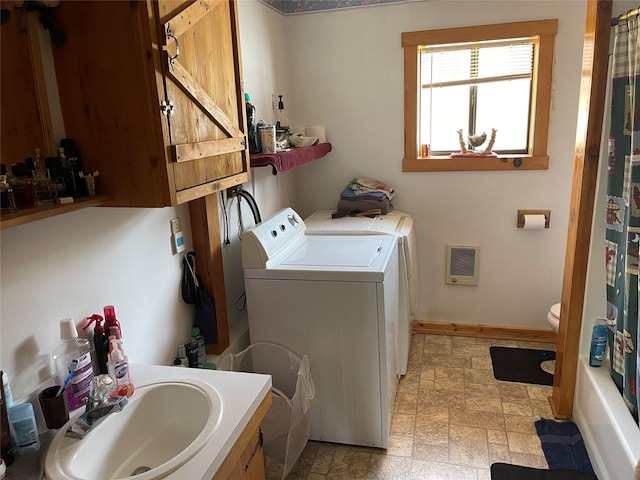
122 61
205 122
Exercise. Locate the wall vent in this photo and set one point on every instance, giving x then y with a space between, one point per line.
462 264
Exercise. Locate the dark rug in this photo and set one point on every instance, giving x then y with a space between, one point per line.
521 365
504 471
563 445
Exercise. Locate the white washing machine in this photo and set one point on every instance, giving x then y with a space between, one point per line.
334 298
395 223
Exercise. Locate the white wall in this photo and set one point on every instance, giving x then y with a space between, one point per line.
346 72
72 266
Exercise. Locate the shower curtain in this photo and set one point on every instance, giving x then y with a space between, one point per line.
623 212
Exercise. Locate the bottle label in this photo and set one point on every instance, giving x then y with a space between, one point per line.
121 372
25 432
78 388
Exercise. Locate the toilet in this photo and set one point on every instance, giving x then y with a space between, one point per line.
553 317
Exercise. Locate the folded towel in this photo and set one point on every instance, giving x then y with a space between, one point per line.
563 445
351 195
362 205
363 186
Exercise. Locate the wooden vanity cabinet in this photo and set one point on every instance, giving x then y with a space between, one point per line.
151 92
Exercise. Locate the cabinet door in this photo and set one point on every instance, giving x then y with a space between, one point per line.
250 465
205 122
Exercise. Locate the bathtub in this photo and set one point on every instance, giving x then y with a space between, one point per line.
610 434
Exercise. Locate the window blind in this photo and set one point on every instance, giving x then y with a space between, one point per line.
462 64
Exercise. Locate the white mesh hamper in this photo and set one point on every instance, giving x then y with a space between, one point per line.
287 424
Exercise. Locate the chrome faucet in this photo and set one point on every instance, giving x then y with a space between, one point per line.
99 406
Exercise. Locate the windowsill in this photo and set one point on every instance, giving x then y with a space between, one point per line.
501 162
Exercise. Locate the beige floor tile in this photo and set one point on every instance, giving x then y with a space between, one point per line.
475 375
522 424
460 341
499 453
473 418
483 474
522 409
471 350
432 426
533 461
432 453
482 402
490 390
427 373
389 467
403 424
541 408
437 348
497 436
513 392
437 339
497 342
482 363
349 464
468 446
524 443
442 398
401 446
446 360
313 476
538 346
539 392
424 470
322 460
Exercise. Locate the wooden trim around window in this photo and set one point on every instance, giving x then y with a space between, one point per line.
537 159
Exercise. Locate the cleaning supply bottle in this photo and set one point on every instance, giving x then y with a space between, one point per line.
73 348
110 320
599 337
199 341
100 342
118 367
6 445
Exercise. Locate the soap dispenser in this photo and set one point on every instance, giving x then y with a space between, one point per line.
118 367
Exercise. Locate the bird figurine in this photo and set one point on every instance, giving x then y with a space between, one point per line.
477 140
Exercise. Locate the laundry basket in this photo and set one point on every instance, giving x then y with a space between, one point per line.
286 425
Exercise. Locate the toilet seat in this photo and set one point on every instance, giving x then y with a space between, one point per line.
555 310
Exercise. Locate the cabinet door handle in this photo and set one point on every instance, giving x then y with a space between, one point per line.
169 34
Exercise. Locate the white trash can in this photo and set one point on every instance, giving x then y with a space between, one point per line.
287 424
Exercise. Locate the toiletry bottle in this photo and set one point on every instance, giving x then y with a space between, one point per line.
23 192
7 200
22 420
6 445
100 342
251 125
118 367
199 340
599 337
79 349
110 320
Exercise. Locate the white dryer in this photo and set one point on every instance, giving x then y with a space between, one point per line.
334 298
395 223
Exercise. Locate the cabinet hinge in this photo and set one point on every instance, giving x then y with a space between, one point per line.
167 108
244 142
257 446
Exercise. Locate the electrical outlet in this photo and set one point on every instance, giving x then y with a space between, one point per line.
175 226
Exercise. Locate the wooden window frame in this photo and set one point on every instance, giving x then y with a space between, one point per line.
536 158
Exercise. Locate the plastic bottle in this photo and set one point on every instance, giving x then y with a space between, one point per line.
202 351
6 445
118 367
110 320
24 430
599 337
100 342
251 125
79 349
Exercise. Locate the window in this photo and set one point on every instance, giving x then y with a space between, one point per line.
476 79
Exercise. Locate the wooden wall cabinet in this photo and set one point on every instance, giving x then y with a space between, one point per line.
152 94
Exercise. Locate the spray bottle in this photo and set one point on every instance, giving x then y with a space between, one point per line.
118 367
100 341
110 320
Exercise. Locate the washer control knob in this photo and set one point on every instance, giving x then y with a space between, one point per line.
293 220
274 233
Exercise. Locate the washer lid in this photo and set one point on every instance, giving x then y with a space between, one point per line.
328 252
555 310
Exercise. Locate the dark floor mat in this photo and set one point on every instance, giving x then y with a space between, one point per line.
504 471
521 365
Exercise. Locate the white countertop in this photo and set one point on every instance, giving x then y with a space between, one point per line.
241 394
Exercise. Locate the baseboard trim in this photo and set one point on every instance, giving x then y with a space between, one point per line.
484 331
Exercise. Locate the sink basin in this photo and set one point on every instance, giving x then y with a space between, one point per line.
163 426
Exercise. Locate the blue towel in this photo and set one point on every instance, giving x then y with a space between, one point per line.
563 446
349 194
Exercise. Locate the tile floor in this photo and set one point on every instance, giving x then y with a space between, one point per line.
452 419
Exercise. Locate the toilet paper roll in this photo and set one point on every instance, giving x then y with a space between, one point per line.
318 132
534 222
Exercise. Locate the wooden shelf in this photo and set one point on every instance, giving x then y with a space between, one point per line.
22 217
282 161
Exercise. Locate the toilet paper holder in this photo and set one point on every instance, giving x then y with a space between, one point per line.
522 213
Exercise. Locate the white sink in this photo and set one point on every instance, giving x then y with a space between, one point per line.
163 426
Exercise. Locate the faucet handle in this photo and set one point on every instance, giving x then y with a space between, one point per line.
100 389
